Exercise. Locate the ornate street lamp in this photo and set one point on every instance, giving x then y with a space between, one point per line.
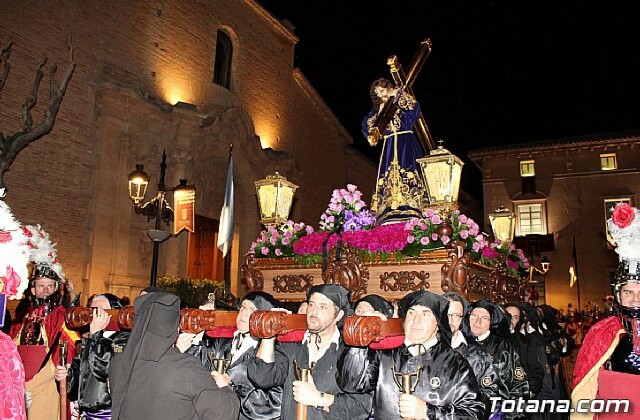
275 196
441 171
156 208
503 224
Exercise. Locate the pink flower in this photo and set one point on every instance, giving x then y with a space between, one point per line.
424 241
278 252
253 245
273 240
285 241
445 239
490 253
464 234
309 230
351 188
434 236
414 221
411 239
435 219
462 218
526 264
512 264
265 250
11 281
474 230
429 213
475 247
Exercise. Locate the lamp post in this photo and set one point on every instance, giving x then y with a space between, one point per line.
275 196
156 208
441 172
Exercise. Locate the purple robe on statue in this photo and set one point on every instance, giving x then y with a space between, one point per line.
399 189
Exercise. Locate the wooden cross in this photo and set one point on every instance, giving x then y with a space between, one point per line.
404 81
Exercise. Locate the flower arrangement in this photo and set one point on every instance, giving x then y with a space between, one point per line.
624 228
192 292
423 233
499 251
346 211
14 255
277 241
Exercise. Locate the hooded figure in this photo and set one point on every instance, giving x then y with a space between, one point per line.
493 336
237 352
320 349
528 348
152 379
463 341
378 303
446 386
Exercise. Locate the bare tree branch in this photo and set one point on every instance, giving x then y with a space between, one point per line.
4 62
12 145
27 120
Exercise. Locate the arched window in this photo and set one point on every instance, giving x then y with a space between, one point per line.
222 64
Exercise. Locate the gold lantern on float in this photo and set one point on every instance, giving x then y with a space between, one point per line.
503 224
275 196
441 172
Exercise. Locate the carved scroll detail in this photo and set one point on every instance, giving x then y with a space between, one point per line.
292 283
455 272
268 324
253 277
360 331
404 281
349 271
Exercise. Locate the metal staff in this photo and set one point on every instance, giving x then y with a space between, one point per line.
63 383
404 380
302 374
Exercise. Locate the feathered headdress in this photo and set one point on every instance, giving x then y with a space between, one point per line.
14 254
624 228
41 251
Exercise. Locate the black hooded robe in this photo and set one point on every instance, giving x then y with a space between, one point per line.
151 379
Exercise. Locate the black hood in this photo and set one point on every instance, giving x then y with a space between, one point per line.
336 294
438 305
378 303
500 322
263 300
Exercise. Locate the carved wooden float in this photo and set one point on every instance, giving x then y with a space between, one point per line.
439 271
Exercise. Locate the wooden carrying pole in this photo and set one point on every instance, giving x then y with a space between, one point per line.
361 331
191 320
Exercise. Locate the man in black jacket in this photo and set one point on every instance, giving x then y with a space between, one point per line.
320 349
87 380
445 386
236 354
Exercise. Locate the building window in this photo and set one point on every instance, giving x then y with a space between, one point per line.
608 161
222 64
527 168
609 205
531 218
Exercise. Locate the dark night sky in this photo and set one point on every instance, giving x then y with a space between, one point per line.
500 72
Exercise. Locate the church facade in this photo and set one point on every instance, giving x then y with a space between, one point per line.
189 78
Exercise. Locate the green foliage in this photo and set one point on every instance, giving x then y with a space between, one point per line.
192 292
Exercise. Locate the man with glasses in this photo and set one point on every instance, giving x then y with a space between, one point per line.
491 328
445 386
464 342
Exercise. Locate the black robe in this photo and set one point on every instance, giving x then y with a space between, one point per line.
490 383
507 362
152 379
87 377
346 406
527 349
255 402
447 382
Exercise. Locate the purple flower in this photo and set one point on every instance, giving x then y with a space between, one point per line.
424 240
445 239
464 234
411 239
278 252
265 250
